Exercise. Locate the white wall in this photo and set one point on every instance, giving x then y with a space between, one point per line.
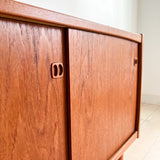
149 24
117 13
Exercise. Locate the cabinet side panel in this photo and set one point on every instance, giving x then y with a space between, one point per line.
32 104
139 85
103 86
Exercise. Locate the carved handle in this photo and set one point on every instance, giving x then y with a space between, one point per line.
135 61
57 70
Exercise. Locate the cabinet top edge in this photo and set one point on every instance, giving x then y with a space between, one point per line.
20 11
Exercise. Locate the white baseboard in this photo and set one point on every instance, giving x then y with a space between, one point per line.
151 99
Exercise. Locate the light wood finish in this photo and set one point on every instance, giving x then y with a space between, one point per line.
33 107
148 145
103 92
26 12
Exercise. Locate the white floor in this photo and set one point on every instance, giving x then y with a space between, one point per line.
147 147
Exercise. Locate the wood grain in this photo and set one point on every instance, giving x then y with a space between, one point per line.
32 105
16 10
103 92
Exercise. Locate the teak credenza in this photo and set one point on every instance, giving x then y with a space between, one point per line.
69 88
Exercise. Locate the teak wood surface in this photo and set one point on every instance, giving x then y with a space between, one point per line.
33 109
92 112
22 11
120 152
103 93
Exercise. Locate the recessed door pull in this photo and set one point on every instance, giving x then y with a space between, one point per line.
135 61
57 70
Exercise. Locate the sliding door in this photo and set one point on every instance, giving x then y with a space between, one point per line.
103 87
33 116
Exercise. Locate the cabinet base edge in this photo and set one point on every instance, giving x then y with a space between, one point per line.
118 154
